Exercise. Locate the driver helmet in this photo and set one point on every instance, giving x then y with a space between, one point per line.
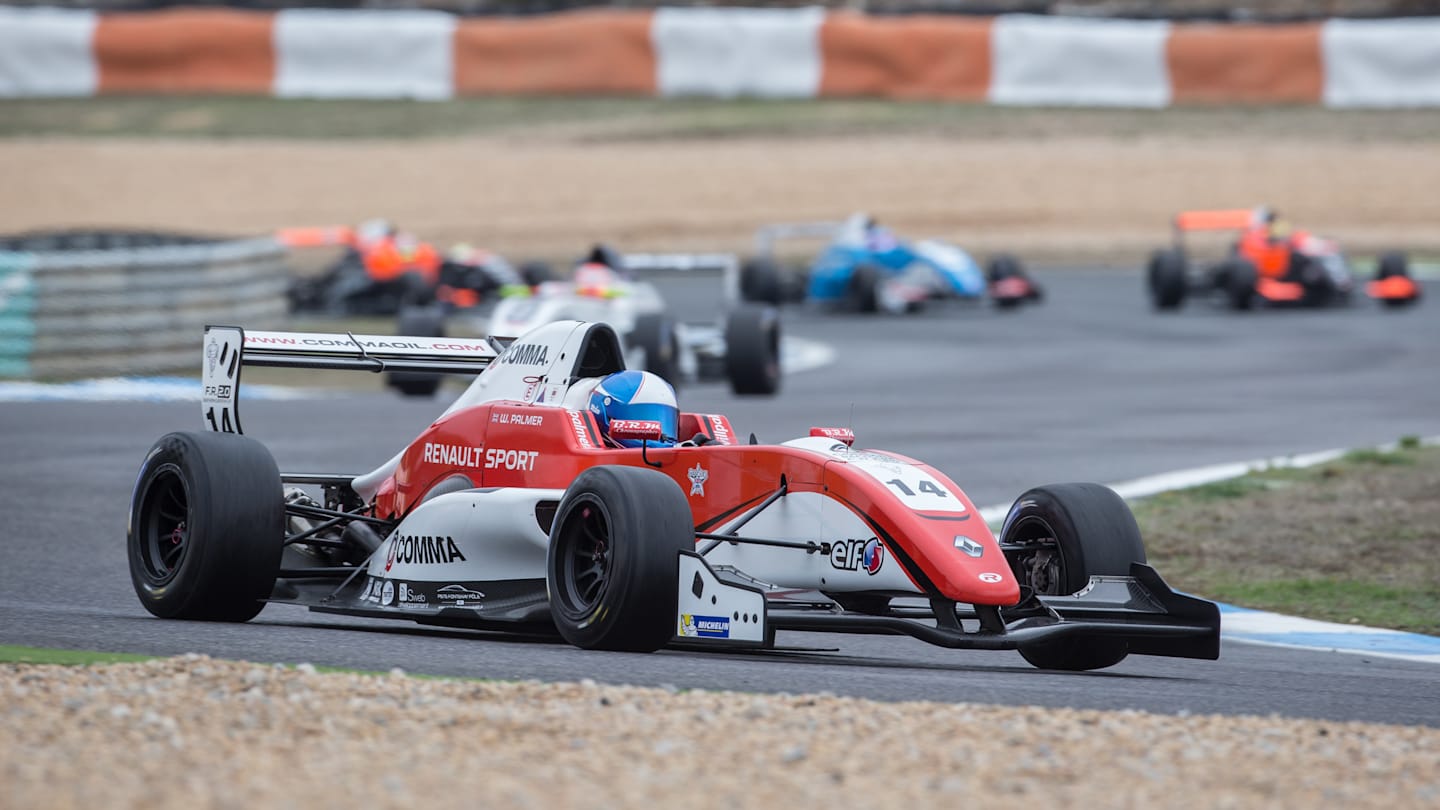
638 395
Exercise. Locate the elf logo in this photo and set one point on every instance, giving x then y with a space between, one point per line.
854 555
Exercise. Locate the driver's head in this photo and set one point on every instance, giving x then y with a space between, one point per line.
637 395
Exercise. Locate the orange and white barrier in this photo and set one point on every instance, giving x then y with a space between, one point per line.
719 53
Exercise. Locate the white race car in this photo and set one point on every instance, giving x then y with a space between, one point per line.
743 348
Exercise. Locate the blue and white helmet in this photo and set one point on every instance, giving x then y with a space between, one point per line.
637 395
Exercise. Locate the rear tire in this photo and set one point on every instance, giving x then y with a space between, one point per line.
752 351
1167 277
656 335
1065 534
1393 263
418 322
760 282
536 273
613 557
207 525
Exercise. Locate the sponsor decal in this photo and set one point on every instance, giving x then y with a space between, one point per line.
720 426
840 434
698 476
347 343
410 596
696 626
458 596
526 354
456 455
422 550
990 576
855 555
582 435
213 392
968 546
387 593
372 591
500 458
522 419
212 353
845 453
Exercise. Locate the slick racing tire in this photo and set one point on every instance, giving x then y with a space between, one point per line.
1004 266
1240 280
760 282
536 273
1391 264
207 525
1056 538
614 551
1394 263
657 336
1167 279
752 351
863 292
418 322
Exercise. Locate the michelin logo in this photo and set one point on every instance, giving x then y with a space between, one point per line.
695 626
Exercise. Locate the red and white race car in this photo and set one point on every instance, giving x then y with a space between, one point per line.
512 511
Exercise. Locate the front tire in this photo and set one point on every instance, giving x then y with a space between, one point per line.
207 525
613 557
1240 282
1167 277
752 351
656 335
1056 538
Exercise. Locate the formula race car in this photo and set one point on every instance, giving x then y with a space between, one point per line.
864 267
1270 264
382 270
519 508
743 349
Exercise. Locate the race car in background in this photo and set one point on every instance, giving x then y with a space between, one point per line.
519 509
383 269
865 267
742 348
1268 264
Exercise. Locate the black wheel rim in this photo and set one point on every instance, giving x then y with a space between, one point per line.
1036 558
165 525
585 555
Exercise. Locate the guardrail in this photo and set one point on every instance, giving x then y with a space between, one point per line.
85 304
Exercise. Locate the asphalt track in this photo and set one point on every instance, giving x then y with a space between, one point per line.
1089 386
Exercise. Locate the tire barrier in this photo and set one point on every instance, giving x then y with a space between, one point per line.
720 53
82 304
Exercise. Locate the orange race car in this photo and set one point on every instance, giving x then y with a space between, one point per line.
1269 264
383 269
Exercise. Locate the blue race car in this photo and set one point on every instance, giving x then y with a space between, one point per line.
864 267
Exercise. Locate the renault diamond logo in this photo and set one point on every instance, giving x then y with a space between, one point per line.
968 546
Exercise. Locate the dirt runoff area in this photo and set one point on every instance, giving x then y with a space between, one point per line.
1052 197
192 732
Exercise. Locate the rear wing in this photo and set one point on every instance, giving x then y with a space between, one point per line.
726 264
227 349
1229 219
327 236
767 235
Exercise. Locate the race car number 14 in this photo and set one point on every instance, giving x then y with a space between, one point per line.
921 492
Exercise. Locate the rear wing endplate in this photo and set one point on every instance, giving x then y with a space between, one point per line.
227 349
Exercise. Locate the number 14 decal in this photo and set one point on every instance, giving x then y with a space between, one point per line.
926 487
